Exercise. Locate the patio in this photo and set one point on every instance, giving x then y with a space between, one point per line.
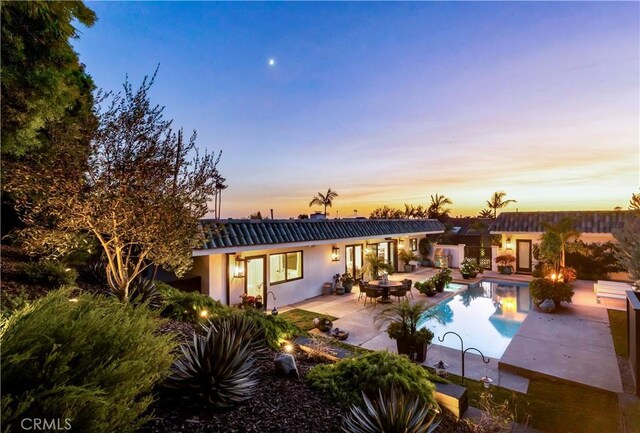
548 345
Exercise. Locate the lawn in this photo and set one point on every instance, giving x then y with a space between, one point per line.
618 322
554 406
303 319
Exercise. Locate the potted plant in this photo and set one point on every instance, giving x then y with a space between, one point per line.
505 263
402 325
323 323
337 281
347 282
442 279
469 268
546 288
427 287
424 247
406 257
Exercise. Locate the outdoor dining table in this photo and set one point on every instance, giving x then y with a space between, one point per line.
377 284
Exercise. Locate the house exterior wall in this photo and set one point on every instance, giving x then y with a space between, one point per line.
219 282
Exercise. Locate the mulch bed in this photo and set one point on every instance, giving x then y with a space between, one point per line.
279 405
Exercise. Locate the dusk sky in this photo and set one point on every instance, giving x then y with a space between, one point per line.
388 103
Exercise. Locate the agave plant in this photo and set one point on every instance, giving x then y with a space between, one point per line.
393 413
141 290
217 368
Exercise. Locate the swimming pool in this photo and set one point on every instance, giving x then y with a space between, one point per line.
487 316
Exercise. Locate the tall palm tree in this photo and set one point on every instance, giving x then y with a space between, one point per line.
485 213
437 207
324 200
634 203
497 201
560 234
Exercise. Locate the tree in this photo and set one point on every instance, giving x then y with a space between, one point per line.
554 241
324 200
628 247
386 212
437 207
497 201
634 203
143 195
486 213
47 102
303 216
256 216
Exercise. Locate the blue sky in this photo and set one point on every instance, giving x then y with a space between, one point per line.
388 103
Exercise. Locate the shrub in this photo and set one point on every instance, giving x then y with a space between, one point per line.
395 412
94 273
427 287
275 329
48 273
543 288
93 361
12 302
344 380
592 261
189 307
568 274
217 368
505 260
141 291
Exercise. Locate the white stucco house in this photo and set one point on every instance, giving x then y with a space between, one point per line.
293 258
521 230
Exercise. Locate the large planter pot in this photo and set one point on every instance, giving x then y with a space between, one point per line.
322 325
473 274
347 287
415 352
431 294
339 290
507 270
409 268
440 287
465 276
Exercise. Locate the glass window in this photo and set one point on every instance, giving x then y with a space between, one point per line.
414 245
285 267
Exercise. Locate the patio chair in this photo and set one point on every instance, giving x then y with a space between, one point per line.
373 294
399 292
408 284
363 286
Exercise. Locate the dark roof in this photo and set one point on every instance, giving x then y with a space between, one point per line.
471 226
238 233
585 221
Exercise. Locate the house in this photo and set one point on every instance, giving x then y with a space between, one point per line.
293 258
521 230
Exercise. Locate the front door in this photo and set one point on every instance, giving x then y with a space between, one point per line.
353 260
255 276
523 255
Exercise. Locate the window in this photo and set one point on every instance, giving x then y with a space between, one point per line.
414 245
285 267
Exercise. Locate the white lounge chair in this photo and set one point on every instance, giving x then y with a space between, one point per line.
610 289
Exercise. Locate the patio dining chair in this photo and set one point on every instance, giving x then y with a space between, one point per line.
399 292
372 294
408 284
363 286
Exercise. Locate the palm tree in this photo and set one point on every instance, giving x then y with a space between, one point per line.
485 213
324 200
497 202
437 206
558 235
634 203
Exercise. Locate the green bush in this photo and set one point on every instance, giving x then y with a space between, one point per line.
93 361
275 328
543 288
189 307
47 273
592 261
12 302
344 380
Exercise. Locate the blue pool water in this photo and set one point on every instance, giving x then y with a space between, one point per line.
487 317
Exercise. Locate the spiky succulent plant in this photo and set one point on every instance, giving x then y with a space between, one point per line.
141 290
217 368
395 412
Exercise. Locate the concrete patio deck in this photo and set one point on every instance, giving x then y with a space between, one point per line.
574 344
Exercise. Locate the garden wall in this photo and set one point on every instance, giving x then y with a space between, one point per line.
633 335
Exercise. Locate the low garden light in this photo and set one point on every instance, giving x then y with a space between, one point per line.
441 368
204 313
73 299
274 311
554 277
486 381
335 254
288 347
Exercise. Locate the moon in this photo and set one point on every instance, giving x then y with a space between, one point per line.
272 62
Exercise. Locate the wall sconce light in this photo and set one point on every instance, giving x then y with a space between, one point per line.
509 247
335 254
401 244
238 270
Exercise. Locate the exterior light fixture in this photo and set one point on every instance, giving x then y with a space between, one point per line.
441 368
335 254
509 247
401 244
204 313
238 270
288 348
